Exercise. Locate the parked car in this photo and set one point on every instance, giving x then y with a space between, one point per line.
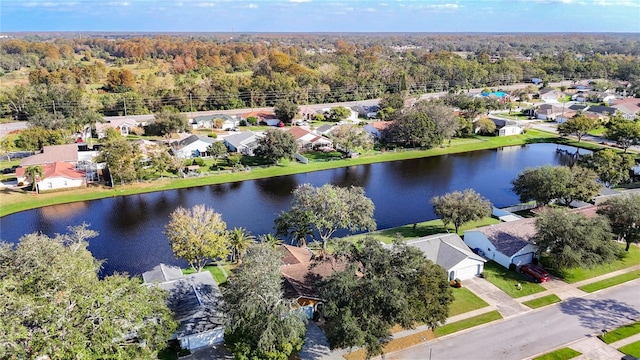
537 273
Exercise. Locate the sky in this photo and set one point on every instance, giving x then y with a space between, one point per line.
321 15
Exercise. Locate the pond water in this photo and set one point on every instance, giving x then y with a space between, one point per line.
131 227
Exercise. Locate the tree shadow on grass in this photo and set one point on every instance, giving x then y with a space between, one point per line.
409 231
600 314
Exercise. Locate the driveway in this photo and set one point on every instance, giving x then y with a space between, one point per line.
504 303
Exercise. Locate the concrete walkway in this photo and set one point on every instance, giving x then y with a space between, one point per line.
495 297
593 348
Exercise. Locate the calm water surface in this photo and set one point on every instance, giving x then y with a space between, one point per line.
131 238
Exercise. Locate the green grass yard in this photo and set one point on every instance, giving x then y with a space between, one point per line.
632 349
560 354
506 280
219 276
465 301
542 301
628 259
620 333
467 323
612 281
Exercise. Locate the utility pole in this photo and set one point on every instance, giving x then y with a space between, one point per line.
125 105
54 107
190 102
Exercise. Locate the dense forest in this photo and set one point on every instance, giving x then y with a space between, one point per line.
71 78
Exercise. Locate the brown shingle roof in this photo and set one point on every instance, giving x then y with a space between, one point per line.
301 273
53 153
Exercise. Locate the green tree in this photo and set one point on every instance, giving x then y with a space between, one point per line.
7 145
286 110
35 138
395 101
446 123
34 173
239 241
122 158
294 225
339 113
197 235
379 288
573 240
458 207
328 208
579 126
623 212
260 323
612 168
485 126
167 123
270 240
546 183
217 150
349 137
276 144
414 129
624 132
54 304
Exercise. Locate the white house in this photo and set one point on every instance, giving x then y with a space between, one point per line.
548 111
505 243
308 140
55 176
196 302
450 252
192 146
510 130
216 121
124 126
245 142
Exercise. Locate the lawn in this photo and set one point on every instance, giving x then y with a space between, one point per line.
628 259
422 229
560 354
612 281
620 333
632 349
599 131
465 301
542 301
467 323
215 271
506 280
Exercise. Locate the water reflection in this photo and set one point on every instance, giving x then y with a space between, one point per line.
131 227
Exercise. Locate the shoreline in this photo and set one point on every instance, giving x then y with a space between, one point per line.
14 201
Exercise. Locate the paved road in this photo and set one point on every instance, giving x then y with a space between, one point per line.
9 127
537 331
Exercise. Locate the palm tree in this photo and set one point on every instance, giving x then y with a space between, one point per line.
270 240
34 172
240 239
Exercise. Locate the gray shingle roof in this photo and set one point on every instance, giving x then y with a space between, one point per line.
446 250
510 237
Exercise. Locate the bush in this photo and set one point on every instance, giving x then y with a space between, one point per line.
243 122
252 120
198 161
213 135
512 267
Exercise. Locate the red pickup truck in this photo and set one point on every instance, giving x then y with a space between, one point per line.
537 273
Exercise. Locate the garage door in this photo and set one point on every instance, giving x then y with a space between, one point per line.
523 259
468 272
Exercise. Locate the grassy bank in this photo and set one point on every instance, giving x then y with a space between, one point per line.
14 200
560 354
542 301
620 333
612 281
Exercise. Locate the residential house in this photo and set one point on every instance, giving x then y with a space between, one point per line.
216 121
507 127
376 128
368 112
192 146
549 94
55 176
450 252
51 154
324 129
506 243
245 142
307 140
196 302
548 111
602 112
265 117
124 126
300 277
628 107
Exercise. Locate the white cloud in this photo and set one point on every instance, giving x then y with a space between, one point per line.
251 6
48 4
443 6
299 1
631 3
205 4
119 3
370 10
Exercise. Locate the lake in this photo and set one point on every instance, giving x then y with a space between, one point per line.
131 227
